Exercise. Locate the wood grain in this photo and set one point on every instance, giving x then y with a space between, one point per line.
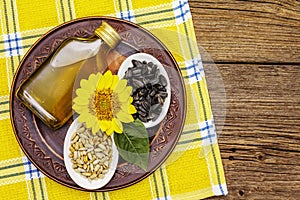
254 31
256 45
260 141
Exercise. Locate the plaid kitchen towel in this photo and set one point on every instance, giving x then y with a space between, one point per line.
193 171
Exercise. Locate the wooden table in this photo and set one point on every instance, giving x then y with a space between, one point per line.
256 48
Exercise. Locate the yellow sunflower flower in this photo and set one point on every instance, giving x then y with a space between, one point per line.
104 102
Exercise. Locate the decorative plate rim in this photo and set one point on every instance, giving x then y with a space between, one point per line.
47 34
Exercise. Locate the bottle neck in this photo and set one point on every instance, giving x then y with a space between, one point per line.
108 34
101 58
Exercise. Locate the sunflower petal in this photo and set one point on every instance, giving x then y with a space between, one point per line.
89 119
124 117
93 78
115 81
83 93
108 79
120 87
85 84
100 84
110 131
81 101
125 107
131 109
105 81
125 95
83 117
105 125
80 108
117 125
95 126
130 100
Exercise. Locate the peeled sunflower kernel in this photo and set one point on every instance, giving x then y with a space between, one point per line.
90 154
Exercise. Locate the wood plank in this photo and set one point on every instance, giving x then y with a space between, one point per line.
248 30
260 142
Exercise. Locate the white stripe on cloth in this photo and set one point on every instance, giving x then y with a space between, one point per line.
181 11
31 172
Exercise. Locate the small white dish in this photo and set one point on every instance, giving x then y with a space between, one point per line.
149 58
76 177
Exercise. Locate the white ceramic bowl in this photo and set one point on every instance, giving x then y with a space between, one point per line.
76 177
149 58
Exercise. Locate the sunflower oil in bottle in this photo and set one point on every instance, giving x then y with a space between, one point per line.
48 91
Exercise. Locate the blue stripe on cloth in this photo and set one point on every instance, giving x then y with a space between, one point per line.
197 130
9 45
210 140
204 112
13 44
31 180
180 5
196 65
215 160
182 15
125 14
31 172
181 11
208 128
194 69
196 74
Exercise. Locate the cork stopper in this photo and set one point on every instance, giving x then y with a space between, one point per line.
108 35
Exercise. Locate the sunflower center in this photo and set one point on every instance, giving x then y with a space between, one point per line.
116 105
103 104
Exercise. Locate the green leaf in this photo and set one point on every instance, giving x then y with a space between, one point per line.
133 143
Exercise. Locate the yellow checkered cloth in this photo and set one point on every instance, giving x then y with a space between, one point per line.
193 171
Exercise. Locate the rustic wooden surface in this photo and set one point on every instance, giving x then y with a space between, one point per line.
256 48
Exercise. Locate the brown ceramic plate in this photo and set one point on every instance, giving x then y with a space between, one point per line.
44 146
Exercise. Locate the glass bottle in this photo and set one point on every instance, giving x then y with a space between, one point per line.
48 91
